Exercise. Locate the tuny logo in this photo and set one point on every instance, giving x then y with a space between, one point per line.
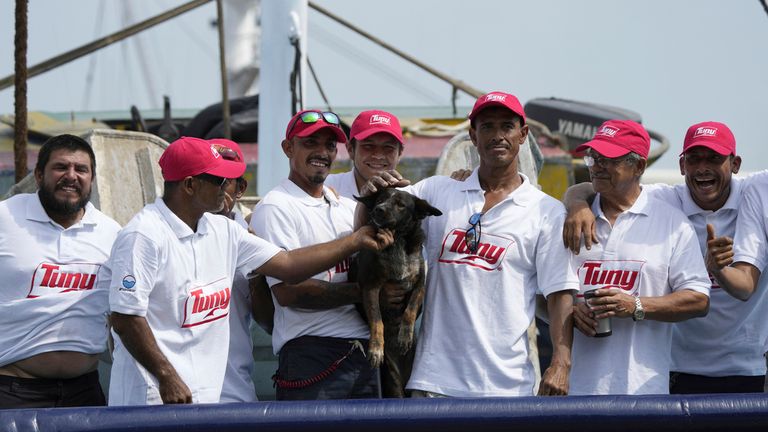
489 256
215 152
611 274
609 131
206 304
705 131
495 97
342 266
50 278
378 119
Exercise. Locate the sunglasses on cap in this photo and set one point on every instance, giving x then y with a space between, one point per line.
226 152
310 117
472 235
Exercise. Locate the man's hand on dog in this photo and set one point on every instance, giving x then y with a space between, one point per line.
386 179
368 237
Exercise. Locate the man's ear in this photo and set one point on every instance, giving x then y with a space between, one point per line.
368 201
473 135
424 209
524 132
242 185
287 146
38 178
735 164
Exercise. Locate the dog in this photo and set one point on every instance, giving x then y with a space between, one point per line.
391 339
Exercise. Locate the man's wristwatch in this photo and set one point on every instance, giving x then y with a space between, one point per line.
639 313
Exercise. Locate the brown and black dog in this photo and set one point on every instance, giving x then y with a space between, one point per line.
392 331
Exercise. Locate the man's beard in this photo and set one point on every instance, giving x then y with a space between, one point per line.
65 208
317 178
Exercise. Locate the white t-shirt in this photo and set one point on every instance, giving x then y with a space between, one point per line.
729 340
751 240
344 183
650 251
49 300
238 384
290 218
478 307
180 281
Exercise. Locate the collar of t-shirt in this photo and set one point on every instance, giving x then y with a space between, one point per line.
308 200
521 196
36 212
690 207
178 226
641 206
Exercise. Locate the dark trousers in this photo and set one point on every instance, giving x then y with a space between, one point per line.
683 383
84 390
305 361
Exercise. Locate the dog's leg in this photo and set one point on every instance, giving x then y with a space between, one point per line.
405 337
372 310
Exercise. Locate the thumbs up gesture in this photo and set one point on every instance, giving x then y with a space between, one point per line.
719 251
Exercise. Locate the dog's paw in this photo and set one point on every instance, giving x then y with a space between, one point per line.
375 357
405 339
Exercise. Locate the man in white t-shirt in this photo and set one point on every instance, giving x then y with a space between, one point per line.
646 269
494 248
737 266
375 145
53 317
318 334
722 352
170 276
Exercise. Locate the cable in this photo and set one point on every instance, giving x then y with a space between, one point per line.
319 87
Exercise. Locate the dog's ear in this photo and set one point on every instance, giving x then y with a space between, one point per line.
424 209
368 201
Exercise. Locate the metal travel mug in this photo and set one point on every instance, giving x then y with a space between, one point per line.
603 324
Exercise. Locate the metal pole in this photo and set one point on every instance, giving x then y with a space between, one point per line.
223 68
20 95
466 88
86 49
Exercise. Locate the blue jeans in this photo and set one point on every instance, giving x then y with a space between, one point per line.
84 390
308 357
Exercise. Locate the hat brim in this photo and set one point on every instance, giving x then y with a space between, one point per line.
227 169
716 147
372 131
605 148
320 125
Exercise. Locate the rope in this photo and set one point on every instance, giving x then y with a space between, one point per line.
303 383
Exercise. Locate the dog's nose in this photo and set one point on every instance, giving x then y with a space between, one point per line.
377 212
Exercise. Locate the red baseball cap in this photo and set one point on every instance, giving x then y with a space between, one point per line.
712 135
371 122
297 127
501 99
615 138
188 156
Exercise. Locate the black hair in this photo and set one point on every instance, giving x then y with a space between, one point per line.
65 141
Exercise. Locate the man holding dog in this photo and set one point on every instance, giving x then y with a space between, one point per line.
735 328
170 280
646 272
318 334
494 248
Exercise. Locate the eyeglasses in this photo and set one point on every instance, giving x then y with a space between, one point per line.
227 153
221 182
472 235
313 117
591 160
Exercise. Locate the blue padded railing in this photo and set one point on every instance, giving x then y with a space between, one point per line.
741 412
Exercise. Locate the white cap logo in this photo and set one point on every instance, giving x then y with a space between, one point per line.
495 97
215 152
609 131
378 119
705 132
